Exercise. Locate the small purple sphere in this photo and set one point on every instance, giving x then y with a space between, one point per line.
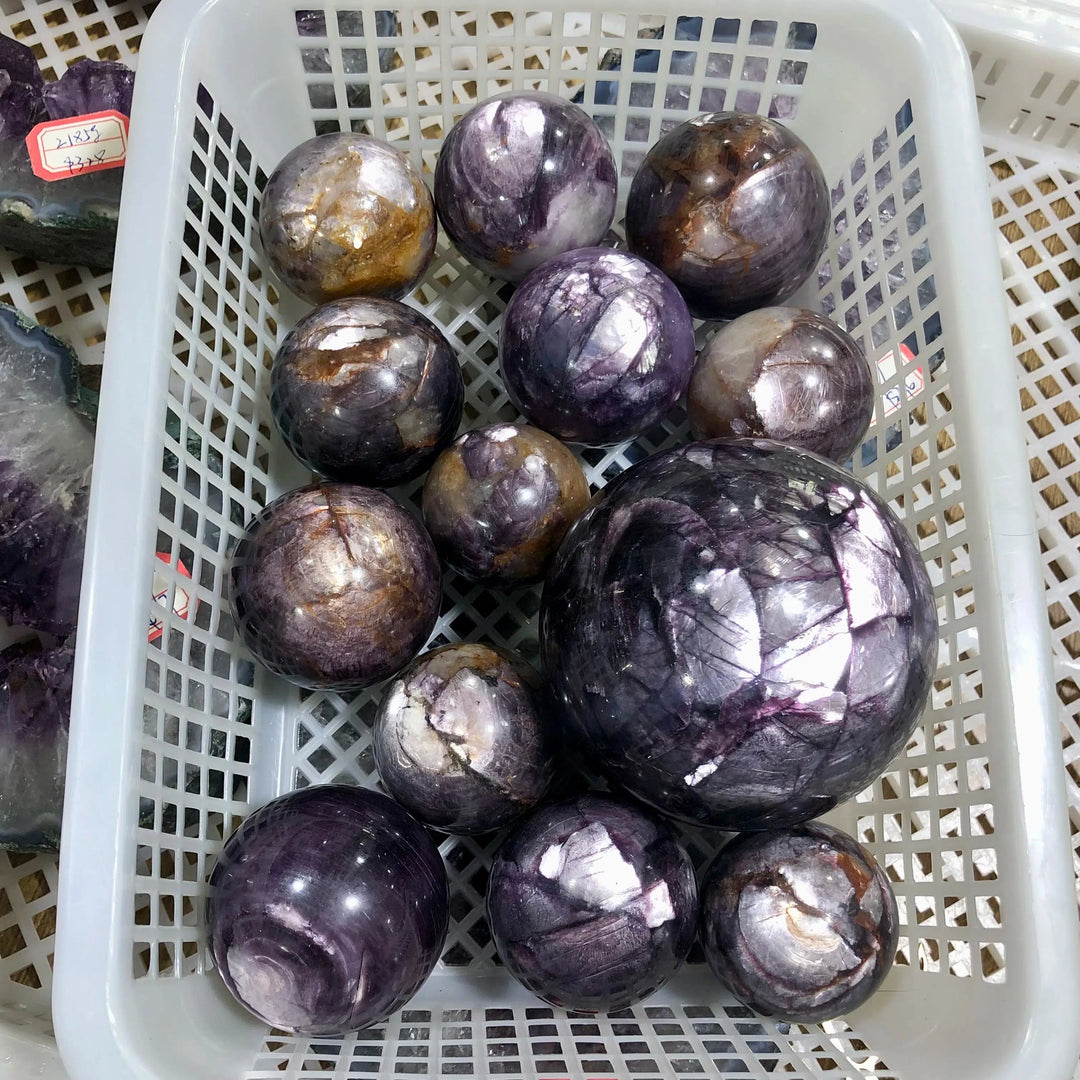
596 346
741 634
334 586
367 391
301 899
734 208
800 924
499 501
461 739
787 374
522 177
592 904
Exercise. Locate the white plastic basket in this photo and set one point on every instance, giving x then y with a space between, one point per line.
175 741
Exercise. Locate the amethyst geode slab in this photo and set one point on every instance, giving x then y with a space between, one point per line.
592 904
800 923
740 633
461 738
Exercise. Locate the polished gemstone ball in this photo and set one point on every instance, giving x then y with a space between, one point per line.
799 923
592 904
522 177
498 501
787 374
366 390
334 586
345 214
734 208
596 346
740 633
327 910
461 738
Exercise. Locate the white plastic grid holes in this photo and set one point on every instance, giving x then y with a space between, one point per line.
73 302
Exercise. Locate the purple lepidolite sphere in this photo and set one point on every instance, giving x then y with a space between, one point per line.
522 177
499 500
596 346
741 633
592 904
367 391
328 909
334 586
461 738
345 214
787 374
800 923
734 208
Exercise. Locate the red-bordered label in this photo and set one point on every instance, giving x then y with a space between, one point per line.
914 380
181 605
60 149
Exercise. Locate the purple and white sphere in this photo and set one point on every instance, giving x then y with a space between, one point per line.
461 738
334 586
366 390
523 177
328 909
787 374
596 346
734 208
740 634
592 904
800 923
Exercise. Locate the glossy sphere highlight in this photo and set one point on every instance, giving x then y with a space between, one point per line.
741 633
734 208
344 214
301 899
461 741
596 346
523 177
334 586
500 499
799 924
592 905
786 374
367 391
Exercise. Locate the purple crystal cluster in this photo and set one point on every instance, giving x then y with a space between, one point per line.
741 633
592 904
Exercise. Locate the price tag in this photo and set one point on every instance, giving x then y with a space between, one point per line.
182 605
60 149
914 380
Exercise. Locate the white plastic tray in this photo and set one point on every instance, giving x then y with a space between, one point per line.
968 823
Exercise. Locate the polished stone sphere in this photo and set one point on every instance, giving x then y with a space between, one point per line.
366 390
787 374
334 586
461 738
500 499
739 633
596 346
592 904
800 924
522 177
327 910
734 208
344 214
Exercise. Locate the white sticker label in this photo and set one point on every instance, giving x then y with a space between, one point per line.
60 149
181 597
914 380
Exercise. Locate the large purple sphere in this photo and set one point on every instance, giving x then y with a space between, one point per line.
523 177
334 586
500 499
461 738
742 633
328 909
800 923
734 208
592 904
366 390
596 346
787 374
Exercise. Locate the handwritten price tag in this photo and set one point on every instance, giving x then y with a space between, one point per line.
914 380
60 149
